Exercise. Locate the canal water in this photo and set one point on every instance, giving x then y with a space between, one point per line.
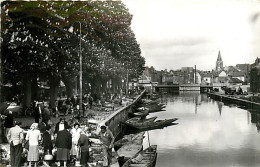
209 134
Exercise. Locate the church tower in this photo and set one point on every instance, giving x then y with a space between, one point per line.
219 62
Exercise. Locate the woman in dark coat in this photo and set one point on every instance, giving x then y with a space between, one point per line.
84 146
37 113
47 142
62 121
63 144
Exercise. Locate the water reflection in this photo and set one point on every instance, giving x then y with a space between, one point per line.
209 133
220 105
255 118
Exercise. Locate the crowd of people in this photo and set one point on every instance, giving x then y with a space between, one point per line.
62 145
61 107
69 140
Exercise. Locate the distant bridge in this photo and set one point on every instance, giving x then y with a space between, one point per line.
185 87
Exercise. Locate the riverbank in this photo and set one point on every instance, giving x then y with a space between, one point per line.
249 100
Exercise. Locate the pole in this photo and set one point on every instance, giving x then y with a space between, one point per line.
127 80
80 73
195 77
148 138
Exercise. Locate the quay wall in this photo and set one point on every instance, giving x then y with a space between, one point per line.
190 87
184 87
114 120
232 99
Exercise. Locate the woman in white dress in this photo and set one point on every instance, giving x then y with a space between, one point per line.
33 135
75 133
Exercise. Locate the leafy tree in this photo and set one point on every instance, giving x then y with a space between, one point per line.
41 42
254 80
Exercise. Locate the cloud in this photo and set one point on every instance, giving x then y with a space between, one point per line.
177 53
180 42
179 33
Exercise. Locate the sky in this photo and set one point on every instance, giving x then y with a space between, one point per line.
184 33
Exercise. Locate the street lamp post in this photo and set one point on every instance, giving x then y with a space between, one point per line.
127 84
80 69
80 73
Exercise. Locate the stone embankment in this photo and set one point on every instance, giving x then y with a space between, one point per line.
248 101
114 120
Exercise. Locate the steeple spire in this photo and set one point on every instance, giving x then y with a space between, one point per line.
219 56
219 62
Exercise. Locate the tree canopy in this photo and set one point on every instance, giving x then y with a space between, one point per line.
41 40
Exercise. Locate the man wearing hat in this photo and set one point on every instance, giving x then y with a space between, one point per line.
15 138
107 138
83 142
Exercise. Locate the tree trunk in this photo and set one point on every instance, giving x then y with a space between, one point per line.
119 84
104 86
54 84
68 84
27 91
113 80
34 88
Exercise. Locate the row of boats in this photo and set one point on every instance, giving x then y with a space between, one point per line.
129 151
141 123
149 123
130 148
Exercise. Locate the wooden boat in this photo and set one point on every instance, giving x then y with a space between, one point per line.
142 109
152 108
146 158
153 124
155 109
141 113
135 119
162 105
146 101
139 120
130 150
153 96
127 139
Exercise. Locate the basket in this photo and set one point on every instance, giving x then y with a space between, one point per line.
77 163
48 157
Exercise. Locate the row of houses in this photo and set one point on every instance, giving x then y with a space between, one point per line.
240 74
236 75
189 75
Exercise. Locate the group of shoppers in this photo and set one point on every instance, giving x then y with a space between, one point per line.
72 104
68 143
41 110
